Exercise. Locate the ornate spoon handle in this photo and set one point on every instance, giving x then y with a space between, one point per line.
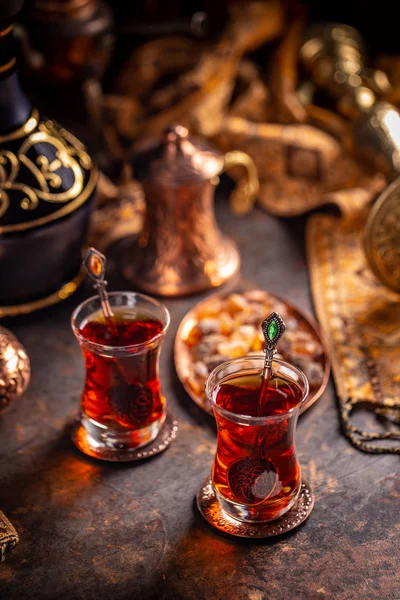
273 328
95 263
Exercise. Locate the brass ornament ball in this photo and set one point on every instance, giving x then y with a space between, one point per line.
15 368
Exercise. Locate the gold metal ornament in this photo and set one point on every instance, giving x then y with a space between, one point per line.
382 237
200 79
25 129
15 370
69 154
119 210
8 536
299 165
334 54
336 59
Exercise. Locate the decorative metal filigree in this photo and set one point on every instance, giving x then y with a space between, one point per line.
8 536
48 183
15 370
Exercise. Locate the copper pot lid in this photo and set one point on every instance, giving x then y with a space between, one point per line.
177 160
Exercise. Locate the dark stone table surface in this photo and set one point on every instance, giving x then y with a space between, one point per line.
90 530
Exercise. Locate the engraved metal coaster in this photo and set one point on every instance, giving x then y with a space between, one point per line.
84 442
211 510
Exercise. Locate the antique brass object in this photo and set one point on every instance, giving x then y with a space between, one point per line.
119 210
175 79
382 237
8 536
15 370
181 250
335 57
299 166
199 97
360 318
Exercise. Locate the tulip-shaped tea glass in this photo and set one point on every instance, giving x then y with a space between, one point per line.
122 406
256 473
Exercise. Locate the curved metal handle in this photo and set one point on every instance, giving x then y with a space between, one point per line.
247 187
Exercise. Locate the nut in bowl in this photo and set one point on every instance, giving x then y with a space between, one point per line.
227 326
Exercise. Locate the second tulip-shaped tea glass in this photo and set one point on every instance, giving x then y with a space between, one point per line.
122 405
256 473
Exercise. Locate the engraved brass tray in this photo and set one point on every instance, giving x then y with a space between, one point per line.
302 345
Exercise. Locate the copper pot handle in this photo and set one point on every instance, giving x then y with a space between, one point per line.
247 187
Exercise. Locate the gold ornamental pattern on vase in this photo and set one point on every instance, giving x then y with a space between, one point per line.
41 162
47 185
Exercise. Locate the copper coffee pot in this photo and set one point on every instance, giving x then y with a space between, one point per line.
180 249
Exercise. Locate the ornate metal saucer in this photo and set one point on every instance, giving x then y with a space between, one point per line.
86 444
185 359
211 510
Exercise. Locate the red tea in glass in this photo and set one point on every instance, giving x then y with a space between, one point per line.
122 403
256 473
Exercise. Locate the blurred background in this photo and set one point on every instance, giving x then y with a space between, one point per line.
306 94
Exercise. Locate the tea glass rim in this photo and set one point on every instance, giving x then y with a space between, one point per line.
129 347
248 419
